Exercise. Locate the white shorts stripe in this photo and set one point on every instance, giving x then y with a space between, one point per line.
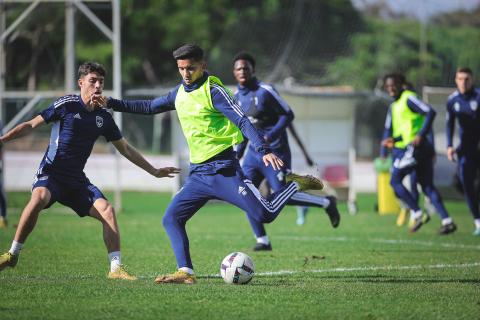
310 198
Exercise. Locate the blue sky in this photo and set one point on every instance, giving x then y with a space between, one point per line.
422 9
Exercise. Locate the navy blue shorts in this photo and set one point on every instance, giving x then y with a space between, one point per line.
78 196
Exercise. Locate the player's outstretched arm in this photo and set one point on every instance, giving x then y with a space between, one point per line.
136 158
23 129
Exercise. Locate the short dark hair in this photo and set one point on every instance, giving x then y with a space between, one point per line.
465 70
243 55
89 67
188 51
399 78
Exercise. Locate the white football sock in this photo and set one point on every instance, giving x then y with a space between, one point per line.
115 260
263 240
416 214
446 221
477 223
187 270
16 247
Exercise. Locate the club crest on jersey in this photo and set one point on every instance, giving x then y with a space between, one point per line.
456 106
242 191
473 105
99 121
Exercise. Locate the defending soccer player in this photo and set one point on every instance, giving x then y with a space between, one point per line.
77 122
271 116
212 123
408 131
463 105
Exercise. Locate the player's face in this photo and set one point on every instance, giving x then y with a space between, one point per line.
242 71
391 87
464 82
91 85
190 70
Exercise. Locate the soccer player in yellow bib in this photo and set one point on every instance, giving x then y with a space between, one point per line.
407 131
212 123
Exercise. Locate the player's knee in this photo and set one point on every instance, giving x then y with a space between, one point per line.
108 214
40 197
168 220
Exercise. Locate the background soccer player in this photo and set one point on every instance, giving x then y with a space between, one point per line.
212 123
3 198
271 116
463 105
77 123
407 128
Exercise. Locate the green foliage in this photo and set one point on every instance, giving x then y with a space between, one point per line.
387 46
153 29
353 272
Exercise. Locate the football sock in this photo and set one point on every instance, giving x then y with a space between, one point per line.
477 223
16 247
446 221
263 240
187 270
416 214
115 260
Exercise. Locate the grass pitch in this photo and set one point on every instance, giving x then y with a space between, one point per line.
368 268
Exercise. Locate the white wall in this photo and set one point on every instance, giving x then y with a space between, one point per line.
20 168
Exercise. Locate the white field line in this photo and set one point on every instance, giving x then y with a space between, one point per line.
386 241
277 273
365 268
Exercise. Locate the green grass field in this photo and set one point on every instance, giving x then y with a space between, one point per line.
368 268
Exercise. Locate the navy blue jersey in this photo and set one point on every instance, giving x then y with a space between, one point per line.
267 111
74 132
465 108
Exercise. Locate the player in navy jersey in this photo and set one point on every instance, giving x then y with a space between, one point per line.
271 116
464 105
3 198
77 122
212 123
408 131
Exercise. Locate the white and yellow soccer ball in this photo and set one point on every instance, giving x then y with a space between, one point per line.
237 268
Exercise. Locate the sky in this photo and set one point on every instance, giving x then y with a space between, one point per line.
421 9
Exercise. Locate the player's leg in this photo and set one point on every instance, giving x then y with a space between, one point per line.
194 194
277 180
3 208
398 173
425 178
104 212
251 169
467 169
243 194
40 199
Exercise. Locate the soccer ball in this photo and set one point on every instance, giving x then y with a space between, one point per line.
237 268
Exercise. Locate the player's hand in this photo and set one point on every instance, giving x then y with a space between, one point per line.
271 159
166 172
388 143
98 100
451 154
417 141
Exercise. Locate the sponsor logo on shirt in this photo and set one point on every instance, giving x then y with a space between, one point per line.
77 116
456 106
99 121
